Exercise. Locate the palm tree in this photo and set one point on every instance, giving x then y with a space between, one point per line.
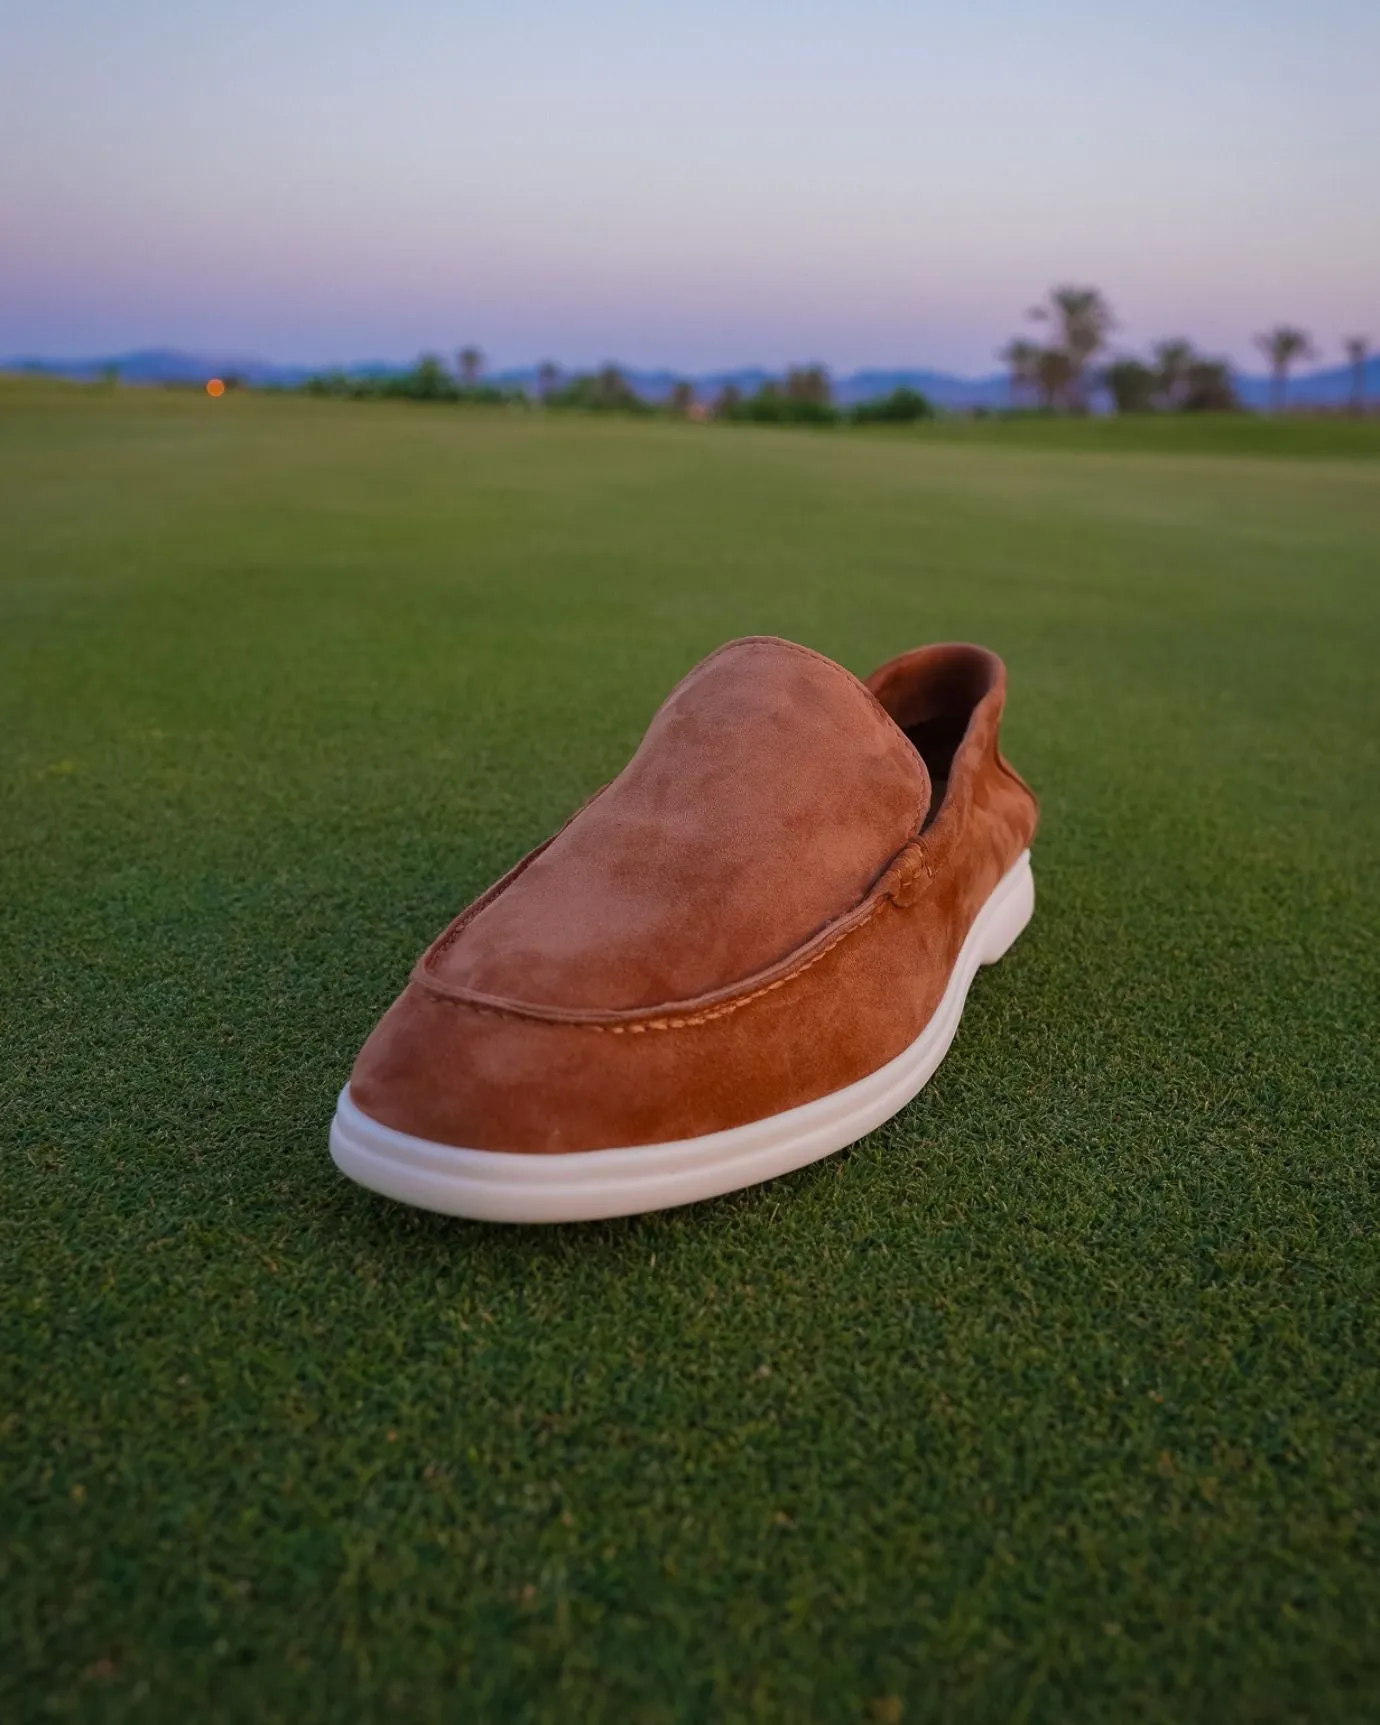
1083 320
548 377
1357 349
471 361
1173 361
1055 377
1022 359
1282 345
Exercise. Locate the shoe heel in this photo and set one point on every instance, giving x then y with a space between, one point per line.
1007 912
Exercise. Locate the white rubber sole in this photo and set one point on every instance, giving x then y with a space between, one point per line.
586 1185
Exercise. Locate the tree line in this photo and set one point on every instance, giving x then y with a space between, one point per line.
1061 374
1066 373
804 396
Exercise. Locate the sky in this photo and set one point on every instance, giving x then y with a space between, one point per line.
692 185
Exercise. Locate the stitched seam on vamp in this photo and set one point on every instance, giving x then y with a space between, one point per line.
681 1021
423 974
447 938
708 1014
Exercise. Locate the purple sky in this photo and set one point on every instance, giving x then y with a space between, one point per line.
867 182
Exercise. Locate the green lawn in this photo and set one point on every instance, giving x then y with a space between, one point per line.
1168 434
1058 1399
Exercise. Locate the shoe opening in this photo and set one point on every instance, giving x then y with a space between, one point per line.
933 698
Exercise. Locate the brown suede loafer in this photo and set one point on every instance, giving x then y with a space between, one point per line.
748 950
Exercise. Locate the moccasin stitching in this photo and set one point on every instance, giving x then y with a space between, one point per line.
622 1024
886 891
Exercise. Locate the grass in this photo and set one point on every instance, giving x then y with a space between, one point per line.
1332 436
1057 1399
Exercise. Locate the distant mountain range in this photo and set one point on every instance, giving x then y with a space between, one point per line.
159 365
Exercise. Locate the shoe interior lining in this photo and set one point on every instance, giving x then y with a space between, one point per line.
937 742
934 712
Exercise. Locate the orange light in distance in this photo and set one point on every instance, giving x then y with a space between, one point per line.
215 386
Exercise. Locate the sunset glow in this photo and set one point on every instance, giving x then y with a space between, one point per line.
735 183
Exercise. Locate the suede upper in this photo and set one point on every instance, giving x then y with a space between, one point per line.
763 907
656 892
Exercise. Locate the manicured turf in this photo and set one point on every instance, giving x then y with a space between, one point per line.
1057 1399
1169 434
